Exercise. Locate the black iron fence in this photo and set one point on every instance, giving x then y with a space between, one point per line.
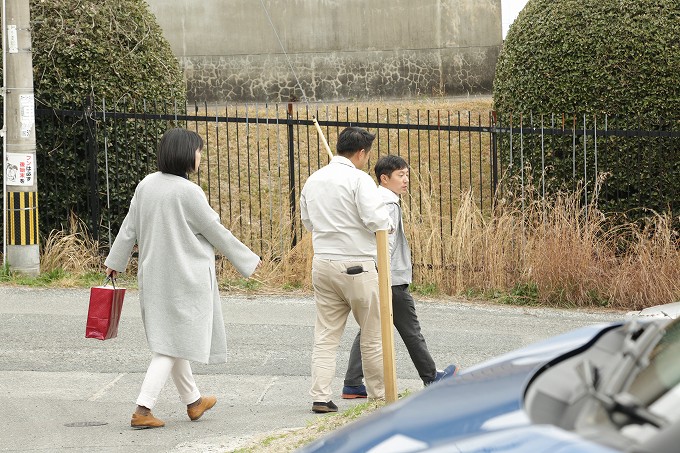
257 157
627 164
255 161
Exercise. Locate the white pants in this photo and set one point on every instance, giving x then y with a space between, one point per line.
160 368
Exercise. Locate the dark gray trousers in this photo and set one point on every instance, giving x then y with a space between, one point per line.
406 321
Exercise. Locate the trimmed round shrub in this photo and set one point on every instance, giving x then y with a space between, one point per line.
599 60
88 54
107 48
619 57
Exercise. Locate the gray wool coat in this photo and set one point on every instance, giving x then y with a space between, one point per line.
177 231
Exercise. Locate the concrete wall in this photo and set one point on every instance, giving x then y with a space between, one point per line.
339 49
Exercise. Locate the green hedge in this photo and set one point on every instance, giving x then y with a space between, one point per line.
84 52
613 58
107 48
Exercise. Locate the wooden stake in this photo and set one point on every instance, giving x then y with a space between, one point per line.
386 322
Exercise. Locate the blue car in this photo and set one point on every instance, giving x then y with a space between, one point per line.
599 389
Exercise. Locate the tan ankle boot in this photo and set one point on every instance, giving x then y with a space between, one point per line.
145 421
204 404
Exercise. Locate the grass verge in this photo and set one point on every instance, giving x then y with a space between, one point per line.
292 439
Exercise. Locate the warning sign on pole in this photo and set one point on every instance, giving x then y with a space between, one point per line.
19 169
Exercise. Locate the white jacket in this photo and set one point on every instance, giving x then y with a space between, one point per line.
175 227
341 206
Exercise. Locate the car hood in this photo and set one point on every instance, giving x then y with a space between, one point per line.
535 439
670 311
482 401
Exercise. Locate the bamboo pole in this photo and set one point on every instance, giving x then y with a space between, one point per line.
386 322
323 138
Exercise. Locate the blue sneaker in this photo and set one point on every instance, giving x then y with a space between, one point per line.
446 373
350 392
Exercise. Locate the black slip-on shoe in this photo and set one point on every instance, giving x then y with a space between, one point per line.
320 407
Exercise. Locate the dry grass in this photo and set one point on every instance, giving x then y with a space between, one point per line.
552 252
650 270
555 249
247 173
567 255
72 251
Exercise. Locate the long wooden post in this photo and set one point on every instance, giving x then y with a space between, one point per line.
323 138
386 322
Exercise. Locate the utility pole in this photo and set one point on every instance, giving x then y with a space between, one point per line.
20 211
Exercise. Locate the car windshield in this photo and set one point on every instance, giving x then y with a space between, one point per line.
621 391
656 390
663 372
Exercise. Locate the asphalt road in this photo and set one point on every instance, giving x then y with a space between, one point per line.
62 392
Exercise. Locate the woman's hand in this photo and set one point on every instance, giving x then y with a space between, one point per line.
111 273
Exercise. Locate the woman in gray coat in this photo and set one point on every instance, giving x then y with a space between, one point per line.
177 231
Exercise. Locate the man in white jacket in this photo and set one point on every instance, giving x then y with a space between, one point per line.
342 208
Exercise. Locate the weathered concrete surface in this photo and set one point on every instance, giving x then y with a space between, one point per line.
350 49
62 392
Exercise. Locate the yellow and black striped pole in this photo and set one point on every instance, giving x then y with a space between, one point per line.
22 218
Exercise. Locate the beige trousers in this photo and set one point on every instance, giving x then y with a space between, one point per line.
336 293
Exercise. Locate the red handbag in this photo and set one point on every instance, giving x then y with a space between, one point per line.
106 303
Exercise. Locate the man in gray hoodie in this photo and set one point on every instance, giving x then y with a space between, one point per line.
393 176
